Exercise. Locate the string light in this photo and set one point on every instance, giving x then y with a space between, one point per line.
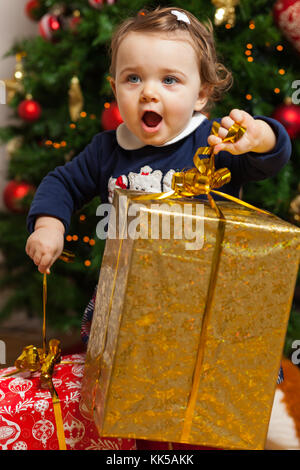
75 238
251 25
86 239
276 90
249 46
72 125
279 48
69 238
82 217
56 145
83 114
248 97
92 242
18 75
250 59
248 52
87 262
107 105
281 71
227 25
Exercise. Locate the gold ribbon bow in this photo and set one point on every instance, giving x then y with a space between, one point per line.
203 179
33 359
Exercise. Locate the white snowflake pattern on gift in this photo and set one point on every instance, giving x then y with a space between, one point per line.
9 432
20 385
74 430
24 405
106 444
20 445
72 384
73 398
41 406
56 382
77 370
43 394
43 431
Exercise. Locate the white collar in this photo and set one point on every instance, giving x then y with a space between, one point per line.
128 141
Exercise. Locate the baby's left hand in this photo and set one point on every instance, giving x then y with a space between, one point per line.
259 136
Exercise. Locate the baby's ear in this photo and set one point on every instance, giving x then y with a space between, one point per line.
203 97
200 103
112 84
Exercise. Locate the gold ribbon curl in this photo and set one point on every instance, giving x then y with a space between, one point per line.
34 359
204 179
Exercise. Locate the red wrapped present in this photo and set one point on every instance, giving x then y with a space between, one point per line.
27 419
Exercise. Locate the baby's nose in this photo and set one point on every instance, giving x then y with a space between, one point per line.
149 93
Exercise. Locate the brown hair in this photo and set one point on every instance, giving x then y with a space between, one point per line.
215 77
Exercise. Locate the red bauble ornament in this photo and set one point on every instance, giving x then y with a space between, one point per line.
31 9
99 3
73 23
111 117
14 193
29 110
287 17
289 116
96 3
48 26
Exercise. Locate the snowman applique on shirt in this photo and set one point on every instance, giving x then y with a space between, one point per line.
148 180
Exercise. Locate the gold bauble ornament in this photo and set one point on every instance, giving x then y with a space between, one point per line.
14 85
76 100
13 145
225 12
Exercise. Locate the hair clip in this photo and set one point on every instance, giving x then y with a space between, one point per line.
181 16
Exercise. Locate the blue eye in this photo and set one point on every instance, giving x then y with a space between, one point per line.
170 80
133 78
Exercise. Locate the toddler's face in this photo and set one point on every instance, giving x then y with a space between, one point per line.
157 85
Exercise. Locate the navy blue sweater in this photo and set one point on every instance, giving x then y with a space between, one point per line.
103 165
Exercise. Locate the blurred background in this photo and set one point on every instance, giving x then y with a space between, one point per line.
54 63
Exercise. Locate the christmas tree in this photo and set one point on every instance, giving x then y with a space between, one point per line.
61 94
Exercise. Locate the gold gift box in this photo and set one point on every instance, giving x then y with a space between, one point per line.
162 366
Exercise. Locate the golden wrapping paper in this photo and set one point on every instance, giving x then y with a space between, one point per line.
160 365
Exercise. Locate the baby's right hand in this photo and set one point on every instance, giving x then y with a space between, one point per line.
46 243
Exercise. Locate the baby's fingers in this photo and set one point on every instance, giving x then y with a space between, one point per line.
214 140
45 263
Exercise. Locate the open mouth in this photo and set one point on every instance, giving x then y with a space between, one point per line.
151 119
